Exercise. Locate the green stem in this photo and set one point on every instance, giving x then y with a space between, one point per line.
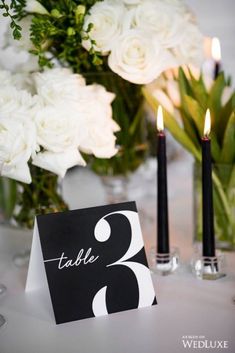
222 196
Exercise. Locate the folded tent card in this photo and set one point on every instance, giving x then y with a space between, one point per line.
93 261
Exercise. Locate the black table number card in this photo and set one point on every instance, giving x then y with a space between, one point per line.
92 260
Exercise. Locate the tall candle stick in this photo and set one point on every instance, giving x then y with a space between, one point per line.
207 192
216 55
162 204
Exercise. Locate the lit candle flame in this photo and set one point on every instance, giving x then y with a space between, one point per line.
207 125
215 49
160 123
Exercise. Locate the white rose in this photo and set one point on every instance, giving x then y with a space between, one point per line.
57 127
138 58
73 116
58 163
8 79
17 145
28 65
106 18
96 133
174 3
99 140
34 6
160 19
16 104
58 132
132 2
96 93
56 84
20 81
190 49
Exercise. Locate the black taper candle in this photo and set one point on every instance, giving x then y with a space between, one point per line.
162 204
208 239
216 69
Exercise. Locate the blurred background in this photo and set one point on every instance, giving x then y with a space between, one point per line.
216 19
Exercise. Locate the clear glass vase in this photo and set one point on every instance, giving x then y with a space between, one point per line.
115 188
20 205
138 187
8 196
223 176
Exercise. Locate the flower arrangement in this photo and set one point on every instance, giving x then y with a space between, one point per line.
121 44
48 120
54 116
185 96
51 127
137 40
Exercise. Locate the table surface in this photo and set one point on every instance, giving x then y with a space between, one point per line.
186 306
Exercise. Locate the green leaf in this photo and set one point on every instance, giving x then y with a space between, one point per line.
184 84
190 128
199 91
180 136
186 91
220 218
214 102
228 149
136 121
233 102
196 113
198 116
177 132
215 148
7 196
16 34
184 87
223 118
231 184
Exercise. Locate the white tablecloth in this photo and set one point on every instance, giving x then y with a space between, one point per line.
186 306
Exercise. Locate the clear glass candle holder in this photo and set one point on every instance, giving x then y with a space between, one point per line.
208 267
2 320
2 291
164 264
2 288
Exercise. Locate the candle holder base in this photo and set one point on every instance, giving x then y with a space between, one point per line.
2 289
164 264
2 320
208 267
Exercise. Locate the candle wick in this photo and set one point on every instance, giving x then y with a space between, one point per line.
161 131
207 136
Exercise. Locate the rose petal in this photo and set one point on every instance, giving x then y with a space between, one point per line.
58 163
17 172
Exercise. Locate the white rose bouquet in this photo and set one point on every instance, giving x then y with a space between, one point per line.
48 122
121 44
50 119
